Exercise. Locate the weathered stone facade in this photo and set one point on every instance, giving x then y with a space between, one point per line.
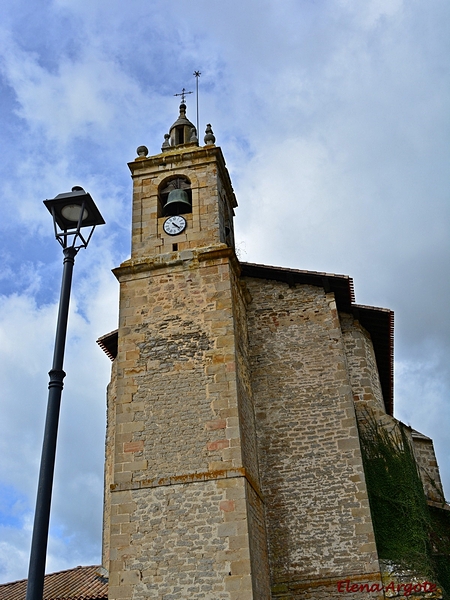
233 461
428 467
312 477
177 432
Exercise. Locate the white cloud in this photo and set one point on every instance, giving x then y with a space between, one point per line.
81 98
26 345
333 121
14 552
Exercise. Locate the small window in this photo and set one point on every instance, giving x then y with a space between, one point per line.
180 135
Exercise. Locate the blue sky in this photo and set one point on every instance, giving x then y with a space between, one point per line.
333 119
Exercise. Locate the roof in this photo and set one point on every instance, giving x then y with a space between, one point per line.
420 436
81 583
108 343
379 322
341 285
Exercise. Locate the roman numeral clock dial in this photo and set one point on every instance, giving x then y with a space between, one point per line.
174 225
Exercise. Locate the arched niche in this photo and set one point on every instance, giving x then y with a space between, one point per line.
177 182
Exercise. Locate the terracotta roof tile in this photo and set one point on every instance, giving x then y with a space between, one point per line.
81 583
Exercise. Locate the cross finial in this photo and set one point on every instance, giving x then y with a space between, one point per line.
183 94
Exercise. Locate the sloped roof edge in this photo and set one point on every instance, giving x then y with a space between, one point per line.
108 343
81 583
341 285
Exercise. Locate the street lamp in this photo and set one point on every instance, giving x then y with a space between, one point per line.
71 212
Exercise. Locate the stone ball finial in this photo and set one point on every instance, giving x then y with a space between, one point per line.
142 151
166 142
209 136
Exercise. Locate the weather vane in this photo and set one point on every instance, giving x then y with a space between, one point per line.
183 94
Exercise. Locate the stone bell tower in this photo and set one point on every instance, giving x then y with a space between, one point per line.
183 509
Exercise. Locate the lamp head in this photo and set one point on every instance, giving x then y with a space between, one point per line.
71 212
67 209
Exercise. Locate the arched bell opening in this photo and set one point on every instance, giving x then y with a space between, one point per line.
175 196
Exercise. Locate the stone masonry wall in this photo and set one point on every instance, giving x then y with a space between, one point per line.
368 398
175 329
257 528
428 467
317 510
258 544
362 365
186 542
178 464
212 201
111 397
244 388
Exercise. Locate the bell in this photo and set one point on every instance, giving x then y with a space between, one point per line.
177 203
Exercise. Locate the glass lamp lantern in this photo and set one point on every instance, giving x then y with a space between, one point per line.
71 212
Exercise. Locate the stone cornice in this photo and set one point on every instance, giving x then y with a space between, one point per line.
179 154
133 267
188 478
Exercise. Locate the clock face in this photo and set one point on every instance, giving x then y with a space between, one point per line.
174 225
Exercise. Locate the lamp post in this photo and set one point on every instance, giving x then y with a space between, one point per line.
71 212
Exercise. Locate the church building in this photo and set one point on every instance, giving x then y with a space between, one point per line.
249 409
